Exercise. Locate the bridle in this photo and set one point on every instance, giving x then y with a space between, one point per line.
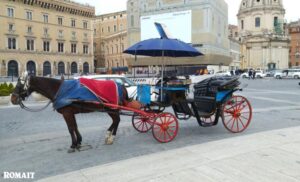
22 91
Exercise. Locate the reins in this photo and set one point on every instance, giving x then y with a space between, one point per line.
22 105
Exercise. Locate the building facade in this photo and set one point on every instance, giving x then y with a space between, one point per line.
110 40
45 37
294 32
235 47
208 31
265 44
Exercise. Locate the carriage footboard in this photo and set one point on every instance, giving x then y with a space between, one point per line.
182 109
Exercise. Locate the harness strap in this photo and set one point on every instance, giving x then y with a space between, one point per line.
22 105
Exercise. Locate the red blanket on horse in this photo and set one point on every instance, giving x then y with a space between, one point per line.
106 90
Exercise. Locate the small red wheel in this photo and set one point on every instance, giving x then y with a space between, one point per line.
165 127
236 114
141 123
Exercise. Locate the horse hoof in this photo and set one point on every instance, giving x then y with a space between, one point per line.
71 150
109 140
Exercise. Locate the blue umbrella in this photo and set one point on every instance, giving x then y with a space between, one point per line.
163 47
160 47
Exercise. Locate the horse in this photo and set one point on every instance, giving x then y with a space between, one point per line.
49 87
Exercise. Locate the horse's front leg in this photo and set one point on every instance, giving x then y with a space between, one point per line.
70 120
112 130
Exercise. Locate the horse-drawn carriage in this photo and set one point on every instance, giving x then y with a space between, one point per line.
213 99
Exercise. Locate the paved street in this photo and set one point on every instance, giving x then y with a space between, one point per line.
38 142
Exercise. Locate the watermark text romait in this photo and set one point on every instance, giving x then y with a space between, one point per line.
18 175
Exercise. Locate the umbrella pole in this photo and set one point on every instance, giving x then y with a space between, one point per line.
162 78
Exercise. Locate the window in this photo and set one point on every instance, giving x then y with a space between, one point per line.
60 20
115 28
95 31
11 43
85 25
74 35
85 35
102 30
60 33
297 55
46 46
60 47
275 21
11 27
73 48
108 28
257 22
30 44
85 49
29 29
132 20
242 24
45 18
28 15
45 31
10 12
73 23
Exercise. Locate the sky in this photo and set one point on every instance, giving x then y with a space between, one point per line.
109 6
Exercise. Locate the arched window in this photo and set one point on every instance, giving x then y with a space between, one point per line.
74 68
86 68
31 69
61 68
257 22
46 68
13 68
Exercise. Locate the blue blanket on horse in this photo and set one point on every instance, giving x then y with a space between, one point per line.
72 90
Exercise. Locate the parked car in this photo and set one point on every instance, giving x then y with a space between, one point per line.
271 73
258 74
288 73
131 87
223 73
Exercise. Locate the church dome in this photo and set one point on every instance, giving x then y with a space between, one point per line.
247 5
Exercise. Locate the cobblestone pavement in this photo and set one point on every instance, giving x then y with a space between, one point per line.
38 142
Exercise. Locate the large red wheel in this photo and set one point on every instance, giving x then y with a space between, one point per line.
236 114
141 123
165 127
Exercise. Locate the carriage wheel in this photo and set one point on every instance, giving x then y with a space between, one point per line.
165 127
237 114
141 123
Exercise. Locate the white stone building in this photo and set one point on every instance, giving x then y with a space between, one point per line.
265 44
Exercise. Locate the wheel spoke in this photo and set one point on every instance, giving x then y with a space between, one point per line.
237 125
232 123
241 122
229 121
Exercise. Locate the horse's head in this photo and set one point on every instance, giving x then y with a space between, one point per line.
22 89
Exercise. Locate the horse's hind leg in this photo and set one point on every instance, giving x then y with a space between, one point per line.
112 130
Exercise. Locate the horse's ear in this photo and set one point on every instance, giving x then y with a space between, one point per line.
62 77
24 74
